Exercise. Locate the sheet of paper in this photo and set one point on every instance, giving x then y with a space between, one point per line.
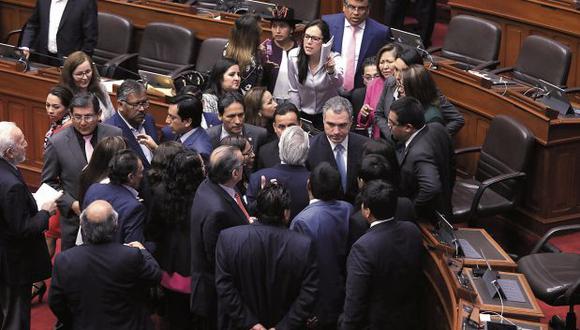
325 51
45 194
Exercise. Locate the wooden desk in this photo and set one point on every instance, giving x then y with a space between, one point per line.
22 100
550 197
555 19
468 311
480 240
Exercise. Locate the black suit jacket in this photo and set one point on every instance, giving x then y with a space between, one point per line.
101 286
212 211
265 274
383 274
23 253
257 136
320 151
427 169
78 29
268 155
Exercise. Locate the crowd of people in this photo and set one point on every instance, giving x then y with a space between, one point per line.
282 195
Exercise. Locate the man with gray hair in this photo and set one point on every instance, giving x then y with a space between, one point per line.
217 205
291 172
23 252
338 145
132 118
101 284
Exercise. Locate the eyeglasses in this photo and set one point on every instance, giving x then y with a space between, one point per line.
140 104
370 77
352 8
313 38
80 75
87 118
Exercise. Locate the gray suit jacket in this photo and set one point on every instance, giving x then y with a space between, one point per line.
64 161
256 135
453 118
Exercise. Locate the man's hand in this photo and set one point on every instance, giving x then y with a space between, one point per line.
147 141
76 207
136 244
258 327
49 207
25 52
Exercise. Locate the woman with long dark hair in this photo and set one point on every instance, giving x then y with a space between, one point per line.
224 78
80 74
243 47
249 155
168 227
313 80
260 107
418 83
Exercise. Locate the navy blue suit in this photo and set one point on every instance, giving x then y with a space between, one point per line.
383 274
148 125
326 223
199 141
101 286
131 211
294 178
375 36
265 274
321 151
212 211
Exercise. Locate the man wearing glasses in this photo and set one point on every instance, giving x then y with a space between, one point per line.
132 118
67 153
356 37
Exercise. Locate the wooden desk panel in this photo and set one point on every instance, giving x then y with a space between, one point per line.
520 18
554 176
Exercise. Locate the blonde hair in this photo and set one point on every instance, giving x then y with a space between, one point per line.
244 40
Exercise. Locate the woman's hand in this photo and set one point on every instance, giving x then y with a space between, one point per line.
329 65
365 110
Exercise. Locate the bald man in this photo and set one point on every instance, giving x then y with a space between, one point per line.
216 206
23 253
101 284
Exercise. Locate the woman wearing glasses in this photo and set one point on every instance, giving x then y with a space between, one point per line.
79 74
313 80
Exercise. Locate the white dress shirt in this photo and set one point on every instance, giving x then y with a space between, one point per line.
185 136
318 87
56 10
148 154
282 86
346 39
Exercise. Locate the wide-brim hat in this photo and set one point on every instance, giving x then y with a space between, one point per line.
283 14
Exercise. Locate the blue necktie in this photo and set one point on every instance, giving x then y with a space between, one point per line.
340 163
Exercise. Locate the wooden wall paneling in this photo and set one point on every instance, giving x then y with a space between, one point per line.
40 123
514 35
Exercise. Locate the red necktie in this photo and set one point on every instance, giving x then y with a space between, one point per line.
350 53
241 205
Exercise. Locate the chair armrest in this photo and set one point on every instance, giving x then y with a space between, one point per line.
501 70
572 90
486 65
572 290
123 66
490 182
551 233
10 34
432 50
467 150
181 69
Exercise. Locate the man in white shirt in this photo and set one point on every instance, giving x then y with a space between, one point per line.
60 27
356 37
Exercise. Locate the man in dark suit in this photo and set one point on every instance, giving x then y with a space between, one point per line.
426 159
263 295
125 174
58 28
325 221
216 206
67 153
184 118
291 173
425 13
132 118
23 253
232 113
101 284
286 115
338 146
356 37
384 267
